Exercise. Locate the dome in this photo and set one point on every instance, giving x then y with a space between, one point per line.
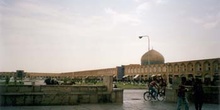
153 56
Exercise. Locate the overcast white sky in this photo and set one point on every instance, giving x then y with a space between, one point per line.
75 35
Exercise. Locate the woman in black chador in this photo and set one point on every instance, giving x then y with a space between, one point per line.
198 94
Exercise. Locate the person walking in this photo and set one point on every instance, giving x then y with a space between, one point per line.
198 94
182 97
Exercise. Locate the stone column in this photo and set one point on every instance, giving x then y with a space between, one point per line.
108 81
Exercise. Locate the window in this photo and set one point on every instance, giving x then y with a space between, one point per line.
176 68
183 68
198 67
190 67
207 66
146 69
129 70
142 70
164 69
216 66
159 69
155 69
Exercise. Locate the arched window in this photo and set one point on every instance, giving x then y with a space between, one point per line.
176 67
170 68
154 69
159 69
132 71
190 67
198 66
146 69
183 67
207 66
216 66
135 70
150 69
129 70
138 70
164 69
142 70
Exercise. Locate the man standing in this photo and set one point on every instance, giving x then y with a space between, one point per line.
182 97
198 94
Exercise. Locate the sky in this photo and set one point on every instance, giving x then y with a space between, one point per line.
75 35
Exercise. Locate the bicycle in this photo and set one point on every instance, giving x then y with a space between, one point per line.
148 95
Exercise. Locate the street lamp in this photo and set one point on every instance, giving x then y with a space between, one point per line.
140 37
148 62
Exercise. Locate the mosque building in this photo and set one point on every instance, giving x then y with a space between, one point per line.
152 63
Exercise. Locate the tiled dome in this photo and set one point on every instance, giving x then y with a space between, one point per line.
153 56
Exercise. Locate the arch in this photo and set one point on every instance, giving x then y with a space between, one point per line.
198 66
216 79
170 68
216 76
182 67
146 69
132 71
182 75
189 67
190 76
207 79
176 68
216 66
207 66
164 69
159 68
207 75
154 69
128 70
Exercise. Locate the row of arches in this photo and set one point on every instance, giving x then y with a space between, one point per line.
179 67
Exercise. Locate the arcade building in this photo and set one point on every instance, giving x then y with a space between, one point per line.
152 63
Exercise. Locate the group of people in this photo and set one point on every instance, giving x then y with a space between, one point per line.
197 92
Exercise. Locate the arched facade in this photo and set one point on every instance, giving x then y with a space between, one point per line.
206 69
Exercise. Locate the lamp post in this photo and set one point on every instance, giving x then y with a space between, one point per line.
140 37
148 62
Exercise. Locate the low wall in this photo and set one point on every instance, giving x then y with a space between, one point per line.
57 95
212 95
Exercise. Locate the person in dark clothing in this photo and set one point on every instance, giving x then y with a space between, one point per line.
163 85
198 93
182 97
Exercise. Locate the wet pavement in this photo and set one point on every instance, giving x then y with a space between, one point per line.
133 100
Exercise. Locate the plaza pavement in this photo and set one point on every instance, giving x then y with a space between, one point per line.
133 100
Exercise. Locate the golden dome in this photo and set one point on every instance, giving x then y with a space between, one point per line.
152 57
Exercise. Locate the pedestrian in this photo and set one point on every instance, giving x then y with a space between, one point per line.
182 97
198 94
163 85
